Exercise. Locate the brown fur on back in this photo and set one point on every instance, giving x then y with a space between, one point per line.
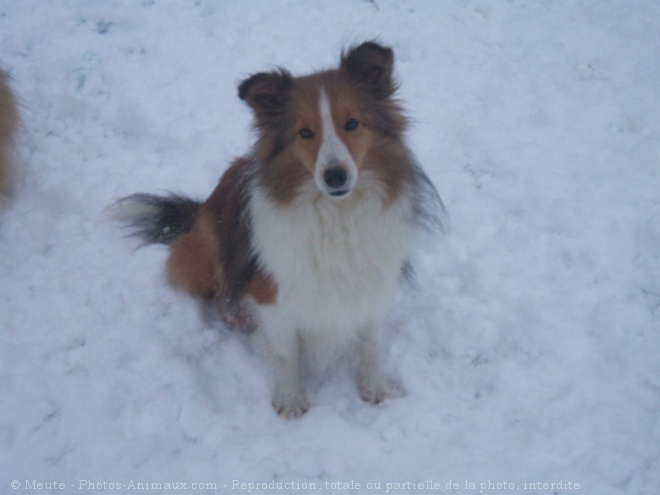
8 128
215 259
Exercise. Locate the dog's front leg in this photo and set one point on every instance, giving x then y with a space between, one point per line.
374 387
289 397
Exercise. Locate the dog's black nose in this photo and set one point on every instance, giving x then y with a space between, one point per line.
335 177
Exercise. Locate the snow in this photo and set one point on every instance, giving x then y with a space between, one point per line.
528 347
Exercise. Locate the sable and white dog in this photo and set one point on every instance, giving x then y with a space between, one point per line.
305 239
8 129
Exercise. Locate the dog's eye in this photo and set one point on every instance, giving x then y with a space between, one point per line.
351 125
306 133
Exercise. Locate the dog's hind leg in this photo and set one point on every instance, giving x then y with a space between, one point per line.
194 264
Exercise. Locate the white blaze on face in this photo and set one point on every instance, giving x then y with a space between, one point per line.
335 170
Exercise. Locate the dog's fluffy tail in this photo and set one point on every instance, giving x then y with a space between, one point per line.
156 219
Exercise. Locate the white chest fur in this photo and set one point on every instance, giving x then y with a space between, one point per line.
336 263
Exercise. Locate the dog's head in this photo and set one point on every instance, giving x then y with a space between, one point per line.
322 127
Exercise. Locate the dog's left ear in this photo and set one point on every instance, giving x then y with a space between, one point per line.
371 64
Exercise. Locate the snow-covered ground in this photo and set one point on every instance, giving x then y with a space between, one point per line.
530 346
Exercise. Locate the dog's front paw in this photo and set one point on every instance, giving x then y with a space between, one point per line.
290 405
377 391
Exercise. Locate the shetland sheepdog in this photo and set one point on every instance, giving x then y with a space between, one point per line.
8 128
306 238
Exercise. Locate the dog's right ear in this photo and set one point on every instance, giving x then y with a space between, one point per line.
266 92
